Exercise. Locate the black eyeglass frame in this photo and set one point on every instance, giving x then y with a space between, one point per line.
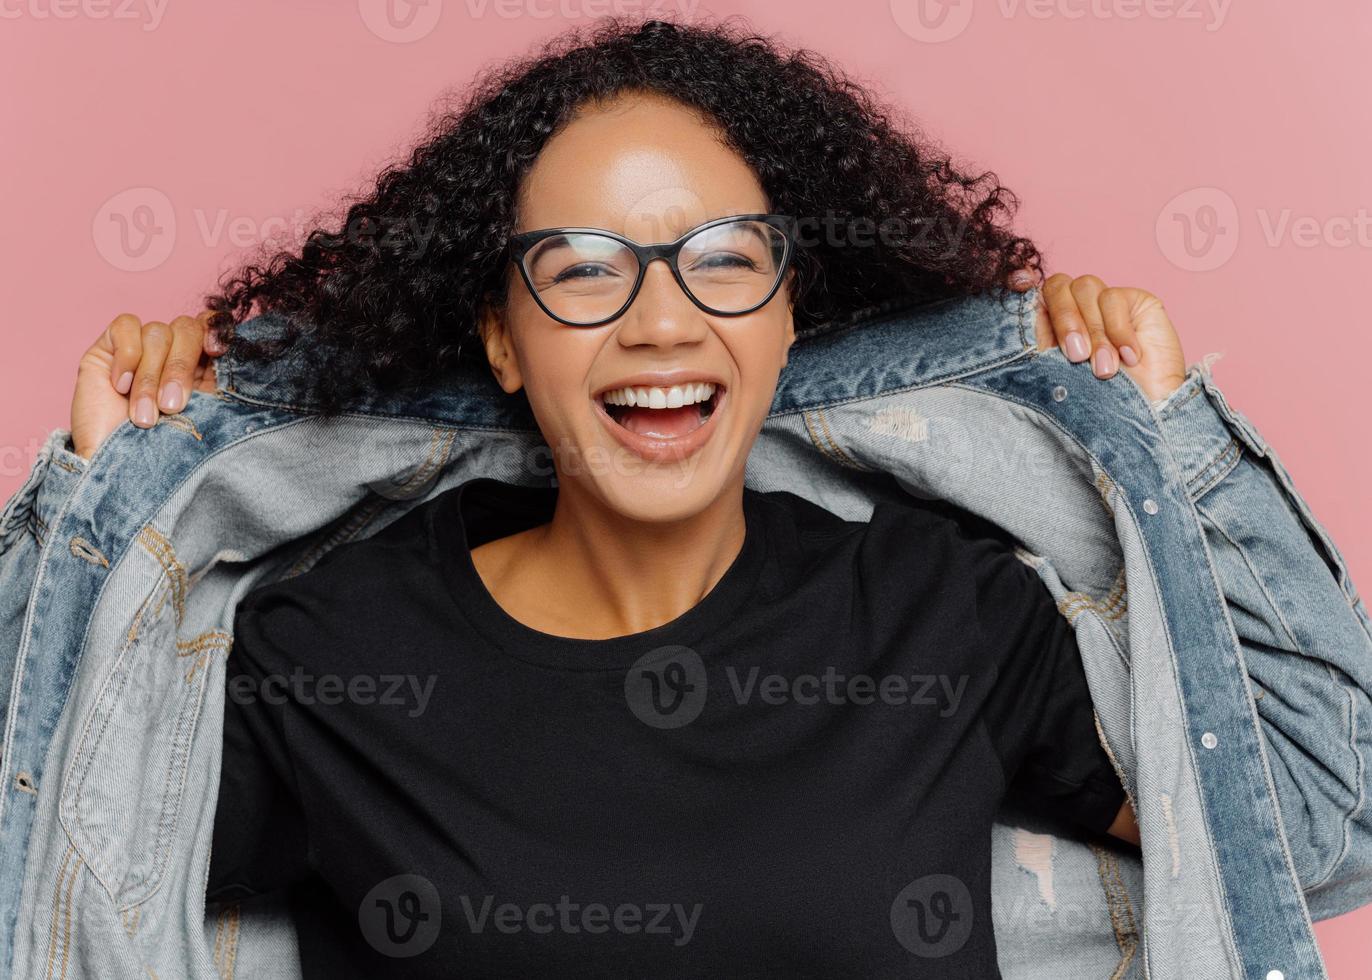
520 244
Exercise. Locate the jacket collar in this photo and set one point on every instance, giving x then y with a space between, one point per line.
901 345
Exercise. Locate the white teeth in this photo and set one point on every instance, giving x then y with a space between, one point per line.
674 397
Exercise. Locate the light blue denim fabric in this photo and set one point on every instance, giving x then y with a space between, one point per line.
1228 653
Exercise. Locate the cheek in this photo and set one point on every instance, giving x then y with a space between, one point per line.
760 354
555 368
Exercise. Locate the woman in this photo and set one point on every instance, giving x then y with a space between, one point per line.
875 690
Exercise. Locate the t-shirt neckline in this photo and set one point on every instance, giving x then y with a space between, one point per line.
523 642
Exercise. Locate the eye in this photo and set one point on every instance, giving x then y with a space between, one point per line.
584 270
724 260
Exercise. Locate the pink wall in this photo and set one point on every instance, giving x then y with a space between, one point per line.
1117 122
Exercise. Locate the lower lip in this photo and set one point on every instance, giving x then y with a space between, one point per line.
659 450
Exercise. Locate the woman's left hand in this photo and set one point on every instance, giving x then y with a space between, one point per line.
1109 325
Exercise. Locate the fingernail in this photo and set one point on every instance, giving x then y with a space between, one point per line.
1077 348
144 413
1128 356
1103 363
1021 280
122 385
171 396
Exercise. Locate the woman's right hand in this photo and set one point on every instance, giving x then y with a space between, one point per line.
135 370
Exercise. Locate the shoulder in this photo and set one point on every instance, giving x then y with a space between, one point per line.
915 551
937 533
803 517
353 593
951 552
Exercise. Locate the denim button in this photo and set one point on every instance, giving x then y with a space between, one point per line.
1150 505
1275 975
1209 740
1059 393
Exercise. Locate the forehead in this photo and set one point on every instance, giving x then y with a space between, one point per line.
643 165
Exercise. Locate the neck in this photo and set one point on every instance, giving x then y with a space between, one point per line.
593 573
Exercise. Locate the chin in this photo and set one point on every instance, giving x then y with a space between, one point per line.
663 492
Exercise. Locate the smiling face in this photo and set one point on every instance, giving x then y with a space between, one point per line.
650 169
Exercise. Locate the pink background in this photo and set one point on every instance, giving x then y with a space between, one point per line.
1124 125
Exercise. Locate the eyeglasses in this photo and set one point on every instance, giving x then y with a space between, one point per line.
585 277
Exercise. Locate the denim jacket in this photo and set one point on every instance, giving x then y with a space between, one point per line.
1227 652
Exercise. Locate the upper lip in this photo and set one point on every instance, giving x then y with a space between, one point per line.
660 379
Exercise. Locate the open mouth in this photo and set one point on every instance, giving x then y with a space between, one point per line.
663 413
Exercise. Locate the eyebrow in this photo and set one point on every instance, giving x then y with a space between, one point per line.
611 231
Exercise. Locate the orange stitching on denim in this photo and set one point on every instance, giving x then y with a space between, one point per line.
130 919
436 458
82 548
69 467
202 648
823 440
66 916
814 436
57 910
1111 607
184 423
1104 486
843 456
226 940
219 939
160 548
1121 911
231 945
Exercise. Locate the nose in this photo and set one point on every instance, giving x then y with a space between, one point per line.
661 314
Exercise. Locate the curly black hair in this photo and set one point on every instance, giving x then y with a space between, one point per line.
392 298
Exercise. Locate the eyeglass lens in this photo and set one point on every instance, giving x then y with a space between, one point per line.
584 277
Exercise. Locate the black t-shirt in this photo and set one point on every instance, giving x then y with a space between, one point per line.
795 777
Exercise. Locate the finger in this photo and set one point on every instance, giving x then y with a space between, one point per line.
1068 323
125 339
205 380
1043 326
214 344
188 341
157 339
1021 280
1117 309
1087 290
